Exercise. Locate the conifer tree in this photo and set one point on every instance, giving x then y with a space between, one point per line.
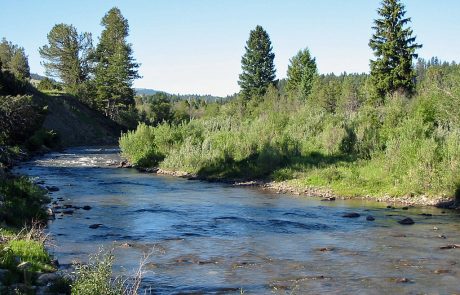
394 46
67 56
14 60
301 73
257 65
116 68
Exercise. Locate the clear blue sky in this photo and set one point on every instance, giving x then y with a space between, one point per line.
195 46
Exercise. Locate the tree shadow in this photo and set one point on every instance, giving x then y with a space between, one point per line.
268 162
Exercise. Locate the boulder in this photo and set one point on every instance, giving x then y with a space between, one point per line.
96 225
47 278
406 221
52 188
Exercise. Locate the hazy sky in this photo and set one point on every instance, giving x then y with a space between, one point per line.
195 46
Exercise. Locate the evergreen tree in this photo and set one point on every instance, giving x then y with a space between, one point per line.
394 46
68 55
257 64
19 64
14 60
116 68
301 73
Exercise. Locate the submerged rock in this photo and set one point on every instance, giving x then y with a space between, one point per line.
86 207
351 215
52 188
406 221
402 280
370 218
96 225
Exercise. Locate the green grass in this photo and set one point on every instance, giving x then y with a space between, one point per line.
29 251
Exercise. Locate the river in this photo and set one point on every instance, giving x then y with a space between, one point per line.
218 239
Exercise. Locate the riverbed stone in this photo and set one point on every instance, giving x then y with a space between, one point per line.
370 218
52 188
96 225
406 221
47 278
402 280
351 215
86 207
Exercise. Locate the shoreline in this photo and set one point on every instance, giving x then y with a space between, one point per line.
324 194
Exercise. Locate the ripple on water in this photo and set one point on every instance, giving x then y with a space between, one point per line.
215 239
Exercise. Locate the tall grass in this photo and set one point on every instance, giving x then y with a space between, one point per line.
406 145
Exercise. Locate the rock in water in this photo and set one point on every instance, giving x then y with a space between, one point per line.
370 218
351 215
94 226
406 221
52 188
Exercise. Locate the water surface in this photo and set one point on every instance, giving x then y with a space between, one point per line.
218 239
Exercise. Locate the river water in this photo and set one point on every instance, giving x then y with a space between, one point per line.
208 238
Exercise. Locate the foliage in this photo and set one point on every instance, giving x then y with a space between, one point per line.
68 55
96 276
21 201
19 118
301 73
42 137
337 139
49 85
394 46
14 60
139 147
257 65
115 66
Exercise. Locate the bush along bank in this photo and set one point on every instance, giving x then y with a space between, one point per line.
340 139
25 265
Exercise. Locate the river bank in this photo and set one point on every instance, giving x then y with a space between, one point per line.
293 187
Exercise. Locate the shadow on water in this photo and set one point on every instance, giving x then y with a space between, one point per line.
263 164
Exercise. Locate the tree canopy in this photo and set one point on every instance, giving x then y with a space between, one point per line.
257 64
115 68
394 46
301 73
67 55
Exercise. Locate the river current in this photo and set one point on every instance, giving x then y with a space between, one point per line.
211 238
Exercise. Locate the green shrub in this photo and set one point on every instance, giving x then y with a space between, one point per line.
21 201
96 276
139 146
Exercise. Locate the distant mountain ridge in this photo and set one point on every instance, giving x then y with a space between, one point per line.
207 97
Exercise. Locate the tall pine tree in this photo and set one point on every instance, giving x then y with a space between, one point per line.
67 56
116 68
257 65
394 46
